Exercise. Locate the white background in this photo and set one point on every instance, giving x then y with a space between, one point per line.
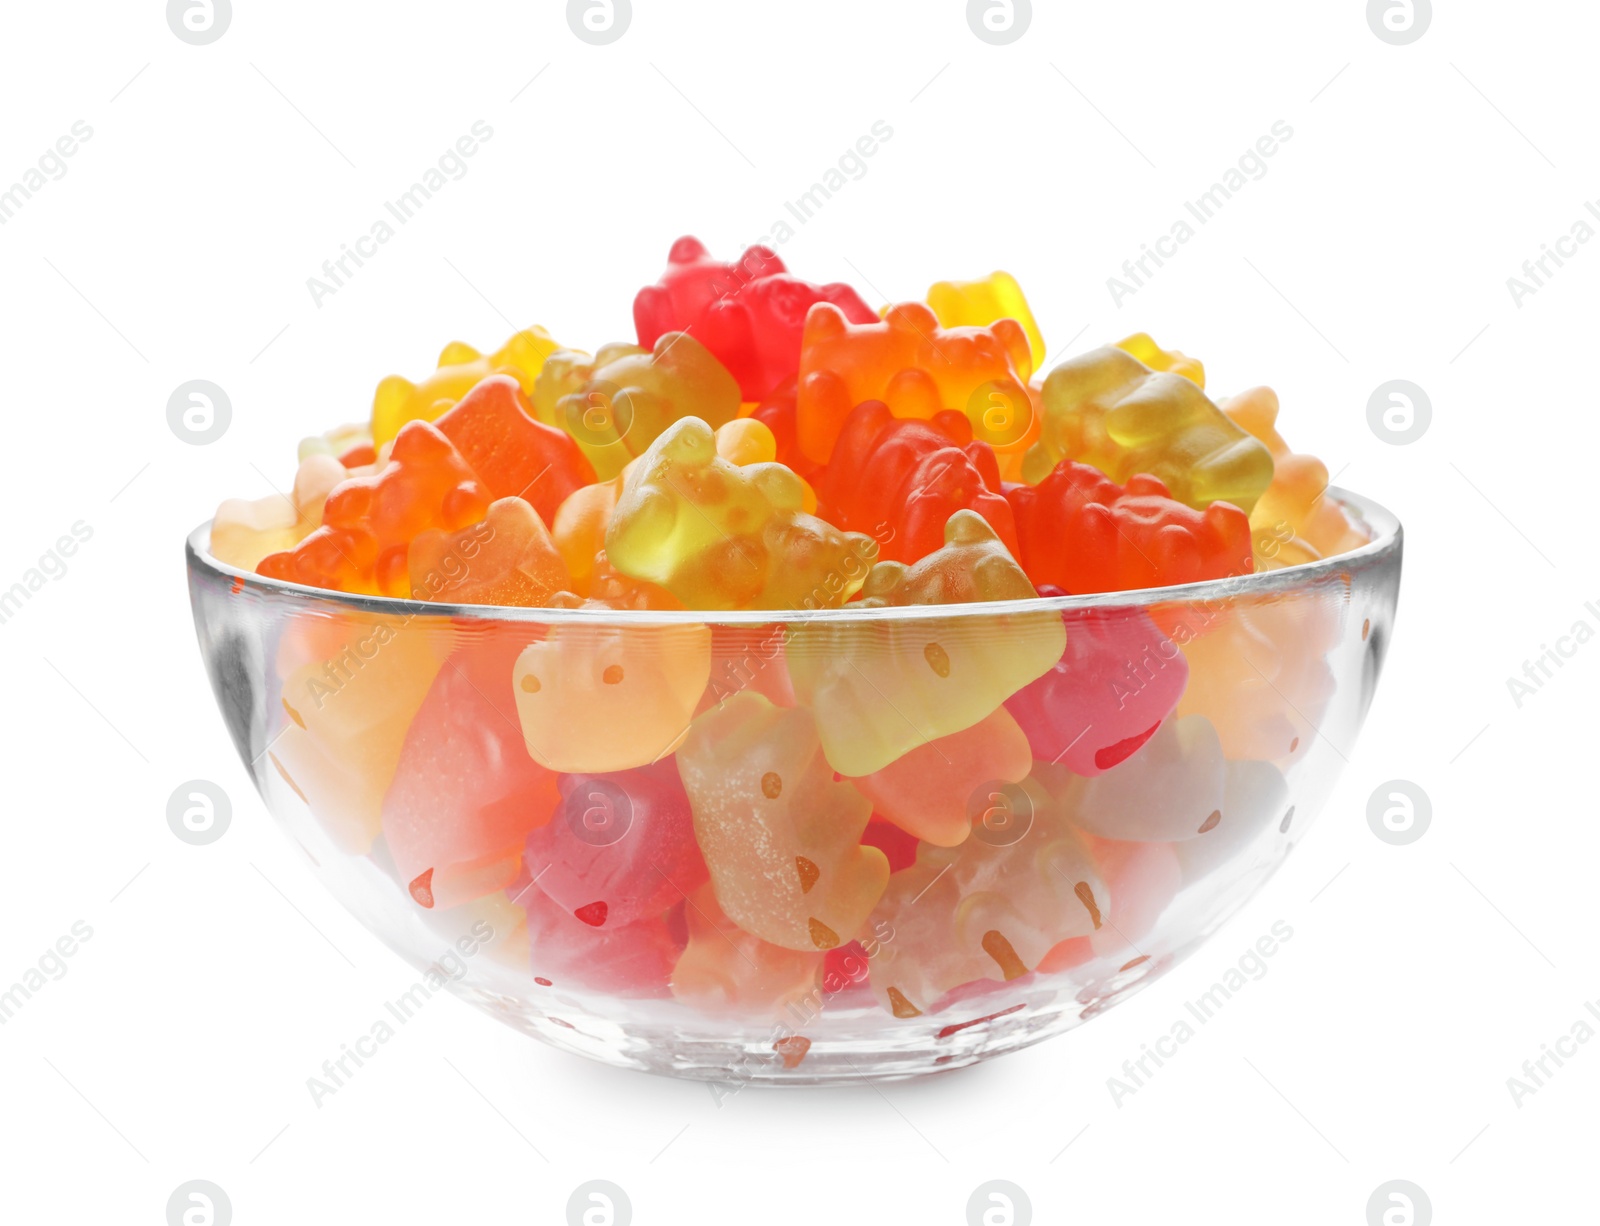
219 178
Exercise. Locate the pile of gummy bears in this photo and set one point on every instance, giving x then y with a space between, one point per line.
770 444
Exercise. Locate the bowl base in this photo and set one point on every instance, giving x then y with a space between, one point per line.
848 1045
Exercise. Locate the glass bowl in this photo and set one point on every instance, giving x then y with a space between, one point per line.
800 847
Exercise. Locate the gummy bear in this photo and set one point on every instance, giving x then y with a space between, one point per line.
1118 679
243 532
883 687
350 444
724 969
628 960
1254 798
508 559
461 368
611 589
1258 669
1108 409
777 411
466 795
1082 532
351 686
963 304
594 698
779 834
749 314
900 480
917 368
1143 346
718 536
934 790
1142 878
579 528
618 402
1171 789
621 847
368 523
515 456
991 908
1294 521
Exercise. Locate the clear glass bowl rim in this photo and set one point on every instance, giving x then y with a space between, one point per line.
1378 520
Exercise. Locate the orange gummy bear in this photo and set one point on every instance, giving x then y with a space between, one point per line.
932 791
594 698
915 367
515 456
1294 521
508 559
368 523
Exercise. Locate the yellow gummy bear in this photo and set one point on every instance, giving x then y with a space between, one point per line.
461 368
1108 409
618 402
1143 346
336 441
977 304
882 688
595 698
720 536
781 837
1294 521
988 909
243 532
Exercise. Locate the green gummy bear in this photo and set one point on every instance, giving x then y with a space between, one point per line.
882 686
618 402
1108 409
718 535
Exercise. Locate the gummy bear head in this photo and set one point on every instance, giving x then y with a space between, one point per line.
973 565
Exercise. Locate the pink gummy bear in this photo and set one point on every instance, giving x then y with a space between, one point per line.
466 793
621 846
1119 677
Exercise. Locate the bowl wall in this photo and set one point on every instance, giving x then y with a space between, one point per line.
665 841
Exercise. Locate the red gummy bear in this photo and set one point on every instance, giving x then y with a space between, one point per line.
494 429
900 480
368 523
621 847
749 314
1082 532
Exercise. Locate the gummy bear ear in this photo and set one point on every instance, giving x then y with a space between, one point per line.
760 261
687 250
915 317
967 527
1010 334
421 442
824 322
391 397
652 314
458 353
884 579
